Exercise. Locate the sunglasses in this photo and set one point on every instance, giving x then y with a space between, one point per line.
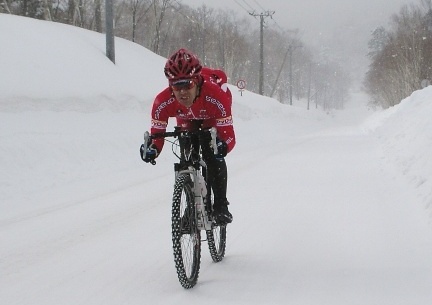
183 84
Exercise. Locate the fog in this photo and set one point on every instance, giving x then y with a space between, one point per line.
316 18
341 26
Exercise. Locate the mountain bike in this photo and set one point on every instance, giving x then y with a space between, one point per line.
192 204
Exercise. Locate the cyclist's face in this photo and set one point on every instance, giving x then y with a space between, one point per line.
185 94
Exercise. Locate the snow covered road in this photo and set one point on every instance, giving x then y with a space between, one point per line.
320 218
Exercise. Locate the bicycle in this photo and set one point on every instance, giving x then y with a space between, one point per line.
192 203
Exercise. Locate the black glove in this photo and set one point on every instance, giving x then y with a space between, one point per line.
222 148
150 154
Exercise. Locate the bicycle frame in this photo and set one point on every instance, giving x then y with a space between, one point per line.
200 193
193 169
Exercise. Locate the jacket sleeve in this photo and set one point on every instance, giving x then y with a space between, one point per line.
224 121
160 116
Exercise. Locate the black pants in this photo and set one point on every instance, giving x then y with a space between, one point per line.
217 176
216 172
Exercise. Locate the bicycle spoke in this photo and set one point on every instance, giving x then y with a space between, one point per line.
186 238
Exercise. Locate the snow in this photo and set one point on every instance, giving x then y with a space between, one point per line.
329 208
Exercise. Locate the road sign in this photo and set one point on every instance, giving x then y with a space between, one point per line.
241 84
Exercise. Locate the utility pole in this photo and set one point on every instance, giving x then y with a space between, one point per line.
309 85
291 48
261 71
109 16
279 73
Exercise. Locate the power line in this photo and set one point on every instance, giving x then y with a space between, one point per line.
277 24
241 6
259 5
264 14
244 1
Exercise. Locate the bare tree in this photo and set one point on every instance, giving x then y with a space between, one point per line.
159 10
5 7
399 67
98 15
139 9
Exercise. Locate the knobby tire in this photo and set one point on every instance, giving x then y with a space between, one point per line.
216 237
186 237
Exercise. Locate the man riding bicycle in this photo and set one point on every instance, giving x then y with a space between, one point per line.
198 98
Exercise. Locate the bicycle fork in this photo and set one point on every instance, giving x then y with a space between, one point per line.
200 191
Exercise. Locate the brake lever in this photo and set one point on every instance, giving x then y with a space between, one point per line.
146 138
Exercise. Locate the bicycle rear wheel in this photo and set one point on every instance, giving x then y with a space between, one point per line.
186 237
216 239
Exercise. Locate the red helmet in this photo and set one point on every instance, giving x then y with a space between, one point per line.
182 64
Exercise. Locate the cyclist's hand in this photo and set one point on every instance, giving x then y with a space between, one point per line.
150 154
222 149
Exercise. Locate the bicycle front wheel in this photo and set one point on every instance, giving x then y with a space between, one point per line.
186 237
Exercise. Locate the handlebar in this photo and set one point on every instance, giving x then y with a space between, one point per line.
180 133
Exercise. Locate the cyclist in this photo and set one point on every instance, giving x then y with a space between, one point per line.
198 97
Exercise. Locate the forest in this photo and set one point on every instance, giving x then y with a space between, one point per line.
400 56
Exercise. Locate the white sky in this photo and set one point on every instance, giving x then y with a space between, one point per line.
329 207
343 27
314 17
